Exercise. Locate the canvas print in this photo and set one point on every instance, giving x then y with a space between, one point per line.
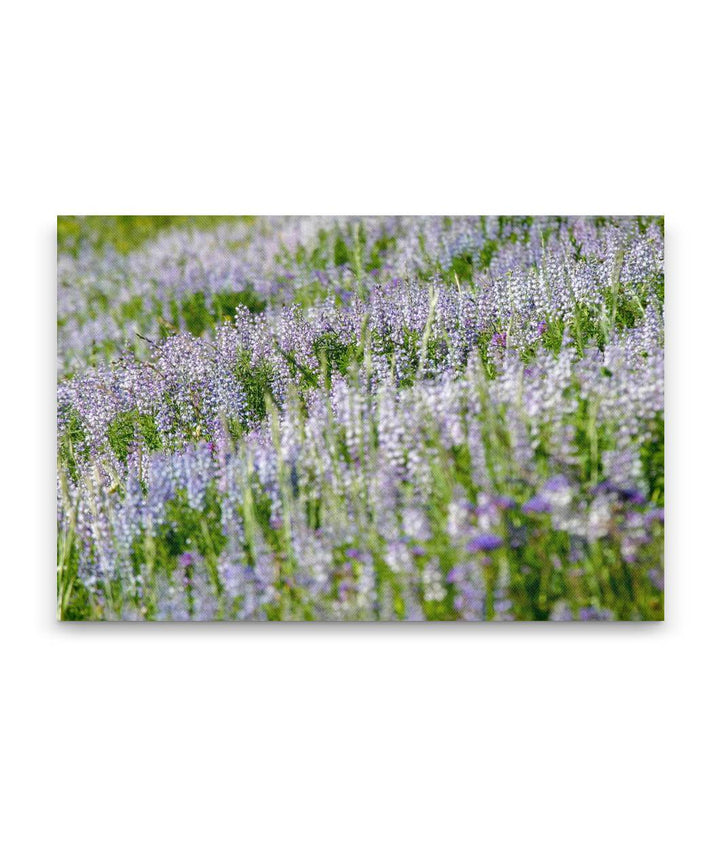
435 418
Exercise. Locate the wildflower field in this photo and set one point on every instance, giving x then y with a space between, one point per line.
360 418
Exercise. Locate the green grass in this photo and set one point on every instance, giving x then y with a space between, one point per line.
125 233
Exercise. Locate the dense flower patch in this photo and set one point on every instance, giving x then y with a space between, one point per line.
363 418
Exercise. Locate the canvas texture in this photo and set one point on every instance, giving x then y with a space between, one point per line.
405 418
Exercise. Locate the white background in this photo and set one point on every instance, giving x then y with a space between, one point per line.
370 739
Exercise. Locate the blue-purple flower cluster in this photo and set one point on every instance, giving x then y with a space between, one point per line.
364 419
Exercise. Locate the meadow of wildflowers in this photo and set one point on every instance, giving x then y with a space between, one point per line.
360 418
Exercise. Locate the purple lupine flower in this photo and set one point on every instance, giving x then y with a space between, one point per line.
537 505
504 502
657 579
655 514
454 575
561 612
556 483
591 613
353 553
633 495
186 559
484 543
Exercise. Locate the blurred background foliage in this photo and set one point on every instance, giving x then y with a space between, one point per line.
126 232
